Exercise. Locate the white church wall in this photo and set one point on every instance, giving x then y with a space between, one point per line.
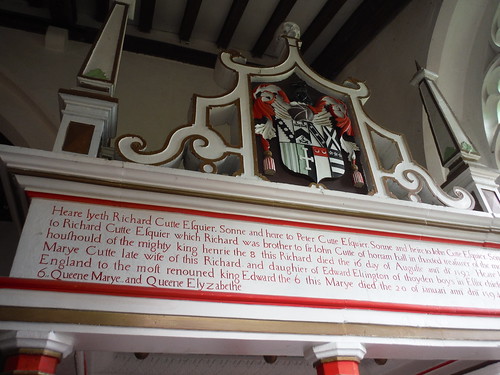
30 76
154 93
387 65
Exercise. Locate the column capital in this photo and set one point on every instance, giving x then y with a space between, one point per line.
48 342
336 351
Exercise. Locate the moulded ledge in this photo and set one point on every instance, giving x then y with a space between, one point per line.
115 180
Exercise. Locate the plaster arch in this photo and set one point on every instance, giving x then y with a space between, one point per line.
491 108
22 121
491 92
460 54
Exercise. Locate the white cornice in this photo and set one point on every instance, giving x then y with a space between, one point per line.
83 176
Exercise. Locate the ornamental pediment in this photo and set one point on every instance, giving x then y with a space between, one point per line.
289 125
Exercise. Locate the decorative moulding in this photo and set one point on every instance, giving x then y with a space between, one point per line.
95 111
386 164
335 350
51 341
76 175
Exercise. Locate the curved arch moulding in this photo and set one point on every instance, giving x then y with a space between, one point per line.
287 124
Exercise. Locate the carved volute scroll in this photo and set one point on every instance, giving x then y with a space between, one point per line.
317 114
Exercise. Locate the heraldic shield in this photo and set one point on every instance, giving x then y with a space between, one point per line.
311 137
310 151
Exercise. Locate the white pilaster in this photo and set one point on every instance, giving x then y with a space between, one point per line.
333 350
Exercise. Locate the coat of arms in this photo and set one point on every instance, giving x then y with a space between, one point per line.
311 136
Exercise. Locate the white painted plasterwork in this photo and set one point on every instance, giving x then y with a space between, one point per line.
144 184
491 93
390 170
52 341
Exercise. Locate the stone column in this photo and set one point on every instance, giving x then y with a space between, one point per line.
336 358
31 352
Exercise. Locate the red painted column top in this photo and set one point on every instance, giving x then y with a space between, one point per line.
31 361
33 352
336 358
337 367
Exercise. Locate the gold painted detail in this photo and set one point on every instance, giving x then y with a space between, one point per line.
36 351
199 323
339 359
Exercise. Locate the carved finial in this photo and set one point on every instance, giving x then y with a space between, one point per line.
290 29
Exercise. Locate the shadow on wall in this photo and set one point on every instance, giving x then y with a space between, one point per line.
9 238
9 235
22 121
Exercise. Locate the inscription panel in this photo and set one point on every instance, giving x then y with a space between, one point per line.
174 249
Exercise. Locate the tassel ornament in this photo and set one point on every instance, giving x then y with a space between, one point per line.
269 164
357 177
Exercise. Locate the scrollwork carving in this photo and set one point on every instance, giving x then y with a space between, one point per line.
202 148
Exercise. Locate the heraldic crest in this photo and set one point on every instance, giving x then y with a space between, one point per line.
311 137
